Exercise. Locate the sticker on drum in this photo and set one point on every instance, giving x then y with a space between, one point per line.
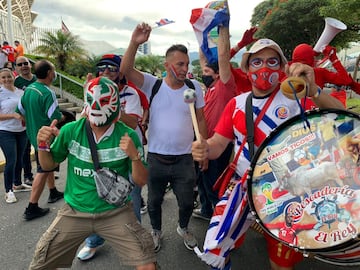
303 183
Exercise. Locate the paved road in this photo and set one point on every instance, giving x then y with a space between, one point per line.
18 238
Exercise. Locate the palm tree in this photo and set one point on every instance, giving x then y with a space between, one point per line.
153 64
62 47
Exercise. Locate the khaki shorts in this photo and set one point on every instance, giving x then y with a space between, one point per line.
119 227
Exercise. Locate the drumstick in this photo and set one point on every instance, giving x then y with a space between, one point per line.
190 98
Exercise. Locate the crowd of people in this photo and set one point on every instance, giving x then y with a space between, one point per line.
125 109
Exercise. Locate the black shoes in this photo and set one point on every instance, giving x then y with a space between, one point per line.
35 212
55 195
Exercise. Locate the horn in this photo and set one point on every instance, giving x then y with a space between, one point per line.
332 28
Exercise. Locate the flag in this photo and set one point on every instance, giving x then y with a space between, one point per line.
230 221
205 22
64 28
163 22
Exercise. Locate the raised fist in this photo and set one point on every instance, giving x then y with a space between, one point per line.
248 37
330 52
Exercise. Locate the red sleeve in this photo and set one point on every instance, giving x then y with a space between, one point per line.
143 99
340 77
225 125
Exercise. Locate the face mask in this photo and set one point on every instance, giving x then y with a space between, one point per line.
207 80
102 103
264 78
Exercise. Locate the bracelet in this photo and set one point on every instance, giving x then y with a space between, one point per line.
317 94
43 146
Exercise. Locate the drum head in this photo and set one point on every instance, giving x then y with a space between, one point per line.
303 183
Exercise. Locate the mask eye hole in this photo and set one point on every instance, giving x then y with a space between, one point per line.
272 62
256 62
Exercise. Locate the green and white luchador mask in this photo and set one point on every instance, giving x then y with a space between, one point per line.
102 102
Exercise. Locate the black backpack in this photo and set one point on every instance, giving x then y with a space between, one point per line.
158 83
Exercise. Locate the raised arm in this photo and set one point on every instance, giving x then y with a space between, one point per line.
140 35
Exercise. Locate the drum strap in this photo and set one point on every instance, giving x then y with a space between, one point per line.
250 125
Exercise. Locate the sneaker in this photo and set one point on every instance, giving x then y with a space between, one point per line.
10 197
86 253
156 235
189 239
22 187
35 212
143 210
28 181
55 196
197 214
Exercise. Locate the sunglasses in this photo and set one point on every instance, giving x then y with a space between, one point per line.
109 67
270 62
20 64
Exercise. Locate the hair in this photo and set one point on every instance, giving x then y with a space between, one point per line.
176 47
8 70
8 62
16 41
42 68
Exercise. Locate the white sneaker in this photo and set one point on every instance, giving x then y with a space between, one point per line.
156 235
86 253
10 197
21 188
190 241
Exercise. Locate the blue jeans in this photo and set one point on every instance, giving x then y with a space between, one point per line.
13 145
95 240
208 197
180 172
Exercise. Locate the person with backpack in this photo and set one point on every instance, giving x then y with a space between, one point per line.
170 133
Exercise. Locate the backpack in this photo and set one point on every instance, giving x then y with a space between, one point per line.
154 91
158 83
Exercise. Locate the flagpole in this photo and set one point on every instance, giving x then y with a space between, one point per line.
10 29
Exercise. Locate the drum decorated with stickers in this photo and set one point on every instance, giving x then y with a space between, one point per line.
304 187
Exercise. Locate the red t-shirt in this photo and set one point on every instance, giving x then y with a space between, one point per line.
216 99
10 51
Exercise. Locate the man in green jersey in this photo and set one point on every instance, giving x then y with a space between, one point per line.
84 212
39 107
23 80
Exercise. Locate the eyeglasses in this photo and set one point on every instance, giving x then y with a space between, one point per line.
110 67
270 62
24 63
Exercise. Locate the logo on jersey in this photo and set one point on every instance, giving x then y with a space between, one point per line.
281 112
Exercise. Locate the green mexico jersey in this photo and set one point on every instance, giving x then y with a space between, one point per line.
72 143
39 106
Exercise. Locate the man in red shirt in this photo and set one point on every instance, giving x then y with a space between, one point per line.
10 51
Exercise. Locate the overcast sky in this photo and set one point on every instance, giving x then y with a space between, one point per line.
114 20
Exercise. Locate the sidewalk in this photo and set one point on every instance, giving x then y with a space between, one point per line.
19 237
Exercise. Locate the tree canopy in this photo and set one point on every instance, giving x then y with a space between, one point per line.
291 22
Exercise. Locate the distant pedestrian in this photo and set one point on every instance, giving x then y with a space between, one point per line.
10 51
19 49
